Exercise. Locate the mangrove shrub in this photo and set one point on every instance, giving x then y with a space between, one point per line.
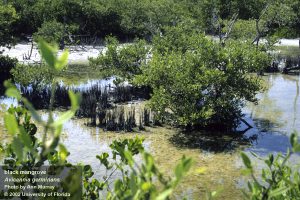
6 64
197 82
8 17
51 31
123 61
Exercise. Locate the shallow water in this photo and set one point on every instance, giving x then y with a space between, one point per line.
277 114
273 119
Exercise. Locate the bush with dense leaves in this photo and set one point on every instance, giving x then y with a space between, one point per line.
8 17
6 64
51 31
27 74
197 82
123 61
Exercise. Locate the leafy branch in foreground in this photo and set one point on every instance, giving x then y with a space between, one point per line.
137 180
52 129
278 180
26 151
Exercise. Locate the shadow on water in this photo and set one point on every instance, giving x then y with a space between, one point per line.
216 142
263 138
268 139
257 139
276 115
273 120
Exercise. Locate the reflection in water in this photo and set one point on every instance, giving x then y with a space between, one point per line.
5 103
275 117
90 83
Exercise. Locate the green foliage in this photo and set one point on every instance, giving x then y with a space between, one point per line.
176 38
39 75
243 29
138 181
129 19
273 16
50 141
18 123
287 32
279 180
122 18
6 64
144 19
51 31
279 13
32 74
122 61
26 151
198 82
8 17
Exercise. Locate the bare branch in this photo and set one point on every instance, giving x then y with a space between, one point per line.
230 26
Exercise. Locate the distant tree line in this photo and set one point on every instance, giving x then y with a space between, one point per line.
127 19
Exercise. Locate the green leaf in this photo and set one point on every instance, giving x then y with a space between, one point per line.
214 193
33 112
128 157
13 92
118 185
87 171
296 148
183 167
146 186
17 146
149 161
278 191
63 152
187 163
8 84
62 61
294 142
103 159
293 139
75 100
133 183
246 172
255 155
11 124
178 171
26 139
58 130
63 118
165 194
47 53
246 160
